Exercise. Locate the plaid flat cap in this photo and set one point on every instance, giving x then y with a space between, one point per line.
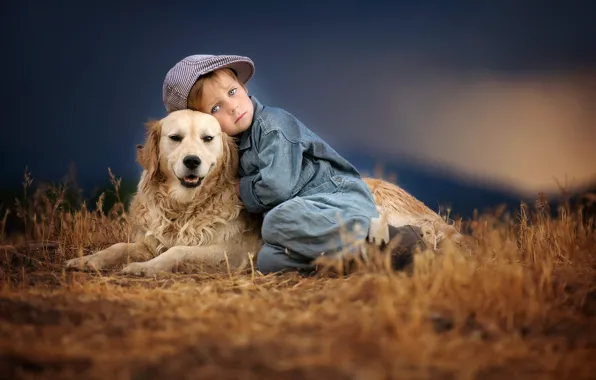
180 79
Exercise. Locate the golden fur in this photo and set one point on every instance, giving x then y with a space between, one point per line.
210 215
207 225
399 208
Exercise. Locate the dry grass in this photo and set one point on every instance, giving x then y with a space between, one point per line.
523 305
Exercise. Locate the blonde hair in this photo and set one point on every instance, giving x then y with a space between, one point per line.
196 92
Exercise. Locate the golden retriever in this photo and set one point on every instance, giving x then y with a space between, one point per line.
186 210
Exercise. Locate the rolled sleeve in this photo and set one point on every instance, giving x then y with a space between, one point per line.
280 166
250 200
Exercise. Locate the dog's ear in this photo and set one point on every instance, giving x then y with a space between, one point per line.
148 156
230 157
141 156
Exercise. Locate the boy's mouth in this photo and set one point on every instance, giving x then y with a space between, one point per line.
240 117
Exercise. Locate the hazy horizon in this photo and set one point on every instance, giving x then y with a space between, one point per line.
496 94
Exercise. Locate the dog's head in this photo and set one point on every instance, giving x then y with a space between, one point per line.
184 148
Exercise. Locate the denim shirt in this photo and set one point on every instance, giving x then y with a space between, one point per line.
280 158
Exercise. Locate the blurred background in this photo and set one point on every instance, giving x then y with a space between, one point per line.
468 104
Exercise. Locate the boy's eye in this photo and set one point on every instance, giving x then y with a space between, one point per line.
207 138
214 109
176 138
232 91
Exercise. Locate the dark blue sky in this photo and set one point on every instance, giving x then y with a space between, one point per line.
80 80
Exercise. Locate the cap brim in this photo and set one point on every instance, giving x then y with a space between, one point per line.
244 70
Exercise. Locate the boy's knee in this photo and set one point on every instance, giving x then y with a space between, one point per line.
274 222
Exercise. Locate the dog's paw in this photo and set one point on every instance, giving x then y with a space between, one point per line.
143 269
89 262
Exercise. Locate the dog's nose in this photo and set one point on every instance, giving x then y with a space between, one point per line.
191 162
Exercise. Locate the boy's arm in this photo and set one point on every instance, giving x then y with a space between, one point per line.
280 164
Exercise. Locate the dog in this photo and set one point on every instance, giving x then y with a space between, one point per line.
186 210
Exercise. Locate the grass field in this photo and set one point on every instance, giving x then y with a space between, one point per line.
522 305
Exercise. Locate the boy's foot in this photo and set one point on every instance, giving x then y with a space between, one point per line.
404 241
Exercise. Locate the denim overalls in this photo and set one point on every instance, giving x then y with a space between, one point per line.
311 197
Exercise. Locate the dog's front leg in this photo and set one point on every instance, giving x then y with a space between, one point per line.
111 257
162 263
210 258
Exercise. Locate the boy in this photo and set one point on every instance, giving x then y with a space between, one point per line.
310 196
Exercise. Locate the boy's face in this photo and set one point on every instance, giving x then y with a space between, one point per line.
227 100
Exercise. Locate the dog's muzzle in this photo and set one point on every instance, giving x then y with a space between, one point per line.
191 178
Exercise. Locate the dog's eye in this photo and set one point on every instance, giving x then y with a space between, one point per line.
207 138
176 138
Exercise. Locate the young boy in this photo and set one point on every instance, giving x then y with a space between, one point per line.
311 197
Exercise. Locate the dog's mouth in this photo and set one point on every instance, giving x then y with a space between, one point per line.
191 181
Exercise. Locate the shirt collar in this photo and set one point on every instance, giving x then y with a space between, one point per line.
245 136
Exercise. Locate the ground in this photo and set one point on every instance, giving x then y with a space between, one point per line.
520 305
